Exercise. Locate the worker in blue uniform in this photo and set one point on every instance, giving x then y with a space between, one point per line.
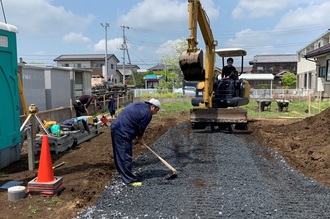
128 126
112 107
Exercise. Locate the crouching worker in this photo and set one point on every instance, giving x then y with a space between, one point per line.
129 125
82 103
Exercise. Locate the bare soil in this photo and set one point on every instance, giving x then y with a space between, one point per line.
89 167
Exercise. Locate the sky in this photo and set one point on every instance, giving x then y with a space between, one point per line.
49 28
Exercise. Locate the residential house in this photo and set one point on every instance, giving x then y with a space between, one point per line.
314 65
274 64
158 68
129 70
94 62
162 67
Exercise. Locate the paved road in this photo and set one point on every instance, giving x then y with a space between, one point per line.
219 176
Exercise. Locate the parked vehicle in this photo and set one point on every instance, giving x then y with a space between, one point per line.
187 91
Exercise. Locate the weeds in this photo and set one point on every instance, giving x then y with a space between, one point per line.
54 201
33 209
2 174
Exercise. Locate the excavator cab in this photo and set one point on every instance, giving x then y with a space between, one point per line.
228 95
232 91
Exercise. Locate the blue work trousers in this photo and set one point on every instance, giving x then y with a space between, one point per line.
122 152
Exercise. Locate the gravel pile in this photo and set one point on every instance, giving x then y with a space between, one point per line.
219 176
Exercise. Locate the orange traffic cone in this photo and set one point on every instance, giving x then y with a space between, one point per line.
45 183
45 171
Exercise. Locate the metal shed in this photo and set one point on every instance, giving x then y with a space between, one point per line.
52 87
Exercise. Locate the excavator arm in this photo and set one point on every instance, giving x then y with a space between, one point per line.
191 61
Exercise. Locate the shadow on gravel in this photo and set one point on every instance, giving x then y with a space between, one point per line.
155 173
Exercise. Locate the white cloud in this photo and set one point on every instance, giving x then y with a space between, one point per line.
306 19
42 18
113 45
166 15
140 48
167 47
75 38
261 8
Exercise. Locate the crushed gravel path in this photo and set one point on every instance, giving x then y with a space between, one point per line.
219 176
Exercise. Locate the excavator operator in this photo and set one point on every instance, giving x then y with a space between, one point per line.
229 71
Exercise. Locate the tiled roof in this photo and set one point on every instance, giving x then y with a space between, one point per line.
128 66
83 57
157 67
161 67
274 58
319 51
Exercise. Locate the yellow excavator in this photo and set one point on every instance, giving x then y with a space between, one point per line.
217 99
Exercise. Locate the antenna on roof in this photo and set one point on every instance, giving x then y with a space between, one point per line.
3 11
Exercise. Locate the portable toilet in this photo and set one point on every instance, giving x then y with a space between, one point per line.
10 138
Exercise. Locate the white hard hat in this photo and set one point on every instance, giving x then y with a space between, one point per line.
154 102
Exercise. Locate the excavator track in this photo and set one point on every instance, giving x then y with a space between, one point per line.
231 120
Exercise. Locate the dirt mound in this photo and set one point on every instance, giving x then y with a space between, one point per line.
304 144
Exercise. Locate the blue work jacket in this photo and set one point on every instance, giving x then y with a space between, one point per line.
133 120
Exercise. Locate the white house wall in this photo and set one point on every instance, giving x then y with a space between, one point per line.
303 68
113 71
322 62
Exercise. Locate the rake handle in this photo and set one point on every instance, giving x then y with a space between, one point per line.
161 159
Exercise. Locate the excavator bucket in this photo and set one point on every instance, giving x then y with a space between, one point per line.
191 64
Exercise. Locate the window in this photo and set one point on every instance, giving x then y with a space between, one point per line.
112 67
308 80
4 41
260 68
328 70
322 72
65 65
77 65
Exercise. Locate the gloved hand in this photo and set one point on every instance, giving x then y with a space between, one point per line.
140 140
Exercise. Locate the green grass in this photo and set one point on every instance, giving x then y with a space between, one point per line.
171 108
54 201
161 95
296 109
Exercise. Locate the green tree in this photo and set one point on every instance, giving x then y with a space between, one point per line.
138 79
173 72
289 80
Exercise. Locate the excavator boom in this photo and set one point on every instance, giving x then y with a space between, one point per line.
191 61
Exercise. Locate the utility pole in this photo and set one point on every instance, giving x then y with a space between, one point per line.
106 25
3 11
124 48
